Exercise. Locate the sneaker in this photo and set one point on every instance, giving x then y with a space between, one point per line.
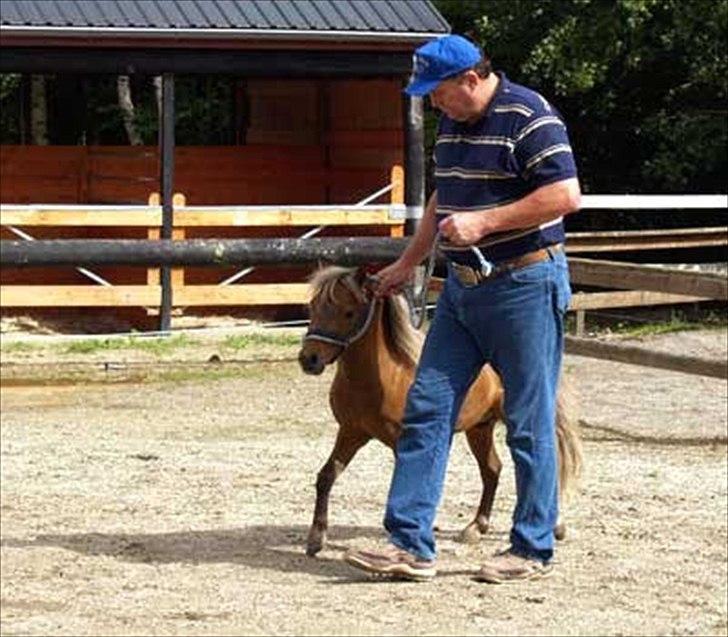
509 567
392 561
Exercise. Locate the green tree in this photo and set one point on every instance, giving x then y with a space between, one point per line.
10 108
641 83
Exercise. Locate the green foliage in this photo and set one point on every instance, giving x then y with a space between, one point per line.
85 109
10 105
205 110
9 83
641 83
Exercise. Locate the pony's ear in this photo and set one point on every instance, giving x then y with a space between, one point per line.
366 278
361 275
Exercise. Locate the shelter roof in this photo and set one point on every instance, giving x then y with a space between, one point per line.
341 20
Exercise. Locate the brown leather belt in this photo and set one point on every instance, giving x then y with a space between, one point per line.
473 276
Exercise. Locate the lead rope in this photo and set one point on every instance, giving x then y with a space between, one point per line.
418 306
417 303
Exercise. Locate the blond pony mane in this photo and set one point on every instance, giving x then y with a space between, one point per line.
404 341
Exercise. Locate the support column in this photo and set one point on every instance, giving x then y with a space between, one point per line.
166 187
414 161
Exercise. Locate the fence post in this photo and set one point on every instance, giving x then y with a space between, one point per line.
153 233
178 234
397 196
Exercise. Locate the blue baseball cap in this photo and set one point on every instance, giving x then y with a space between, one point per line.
438 60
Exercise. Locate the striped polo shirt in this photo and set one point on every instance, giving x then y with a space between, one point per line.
518 145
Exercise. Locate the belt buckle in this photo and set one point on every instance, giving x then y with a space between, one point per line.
470 277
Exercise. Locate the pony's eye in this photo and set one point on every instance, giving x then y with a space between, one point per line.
349 314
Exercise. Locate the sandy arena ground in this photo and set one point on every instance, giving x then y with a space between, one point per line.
180 506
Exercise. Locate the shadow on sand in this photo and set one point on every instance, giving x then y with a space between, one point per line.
277 548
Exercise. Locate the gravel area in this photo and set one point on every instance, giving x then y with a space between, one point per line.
178 504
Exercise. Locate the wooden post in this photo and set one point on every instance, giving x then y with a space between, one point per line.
397 196
153 233
580 322
178 274
166 183
414 161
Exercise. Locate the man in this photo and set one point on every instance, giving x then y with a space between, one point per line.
505 176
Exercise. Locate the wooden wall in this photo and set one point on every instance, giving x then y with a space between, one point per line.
307 142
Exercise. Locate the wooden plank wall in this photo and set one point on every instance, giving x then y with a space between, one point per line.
306 142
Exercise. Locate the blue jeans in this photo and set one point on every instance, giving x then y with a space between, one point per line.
515 323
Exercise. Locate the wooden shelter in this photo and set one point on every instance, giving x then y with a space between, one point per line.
326 126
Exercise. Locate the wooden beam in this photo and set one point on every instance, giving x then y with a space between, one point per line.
194 216
208 252
283 216
623 241
627 298
79 296
11 215
610 274
244 63
248 294
600 300
148 295
630 354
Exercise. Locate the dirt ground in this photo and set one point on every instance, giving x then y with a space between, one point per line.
178 504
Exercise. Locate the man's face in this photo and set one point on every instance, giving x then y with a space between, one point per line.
456 97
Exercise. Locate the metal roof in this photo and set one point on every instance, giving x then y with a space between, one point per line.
300 19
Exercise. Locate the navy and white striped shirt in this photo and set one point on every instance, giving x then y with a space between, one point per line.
518 145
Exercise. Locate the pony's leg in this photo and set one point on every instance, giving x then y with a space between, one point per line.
480 440
348 442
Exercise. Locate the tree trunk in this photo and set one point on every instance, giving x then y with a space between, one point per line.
123 88
157 81
38 111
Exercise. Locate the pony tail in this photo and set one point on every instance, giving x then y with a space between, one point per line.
568 438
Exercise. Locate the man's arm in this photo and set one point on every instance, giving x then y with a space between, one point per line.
542 205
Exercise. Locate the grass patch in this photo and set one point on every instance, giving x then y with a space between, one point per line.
156 346
243 341
653 329
182 375
677 323
20 346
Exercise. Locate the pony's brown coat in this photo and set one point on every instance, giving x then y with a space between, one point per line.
370 387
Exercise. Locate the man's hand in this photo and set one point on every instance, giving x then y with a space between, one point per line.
392 279
463 228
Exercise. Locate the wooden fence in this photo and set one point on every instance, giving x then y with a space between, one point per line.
128 287
206 287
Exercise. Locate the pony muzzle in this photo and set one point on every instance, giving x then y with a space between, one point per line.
311 363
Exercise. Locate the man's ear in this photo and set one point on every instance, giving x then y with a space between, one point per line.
470 78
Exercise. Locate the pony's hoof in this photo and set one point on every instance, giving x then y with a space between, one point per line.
313 549
314 543
472 534
560 531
